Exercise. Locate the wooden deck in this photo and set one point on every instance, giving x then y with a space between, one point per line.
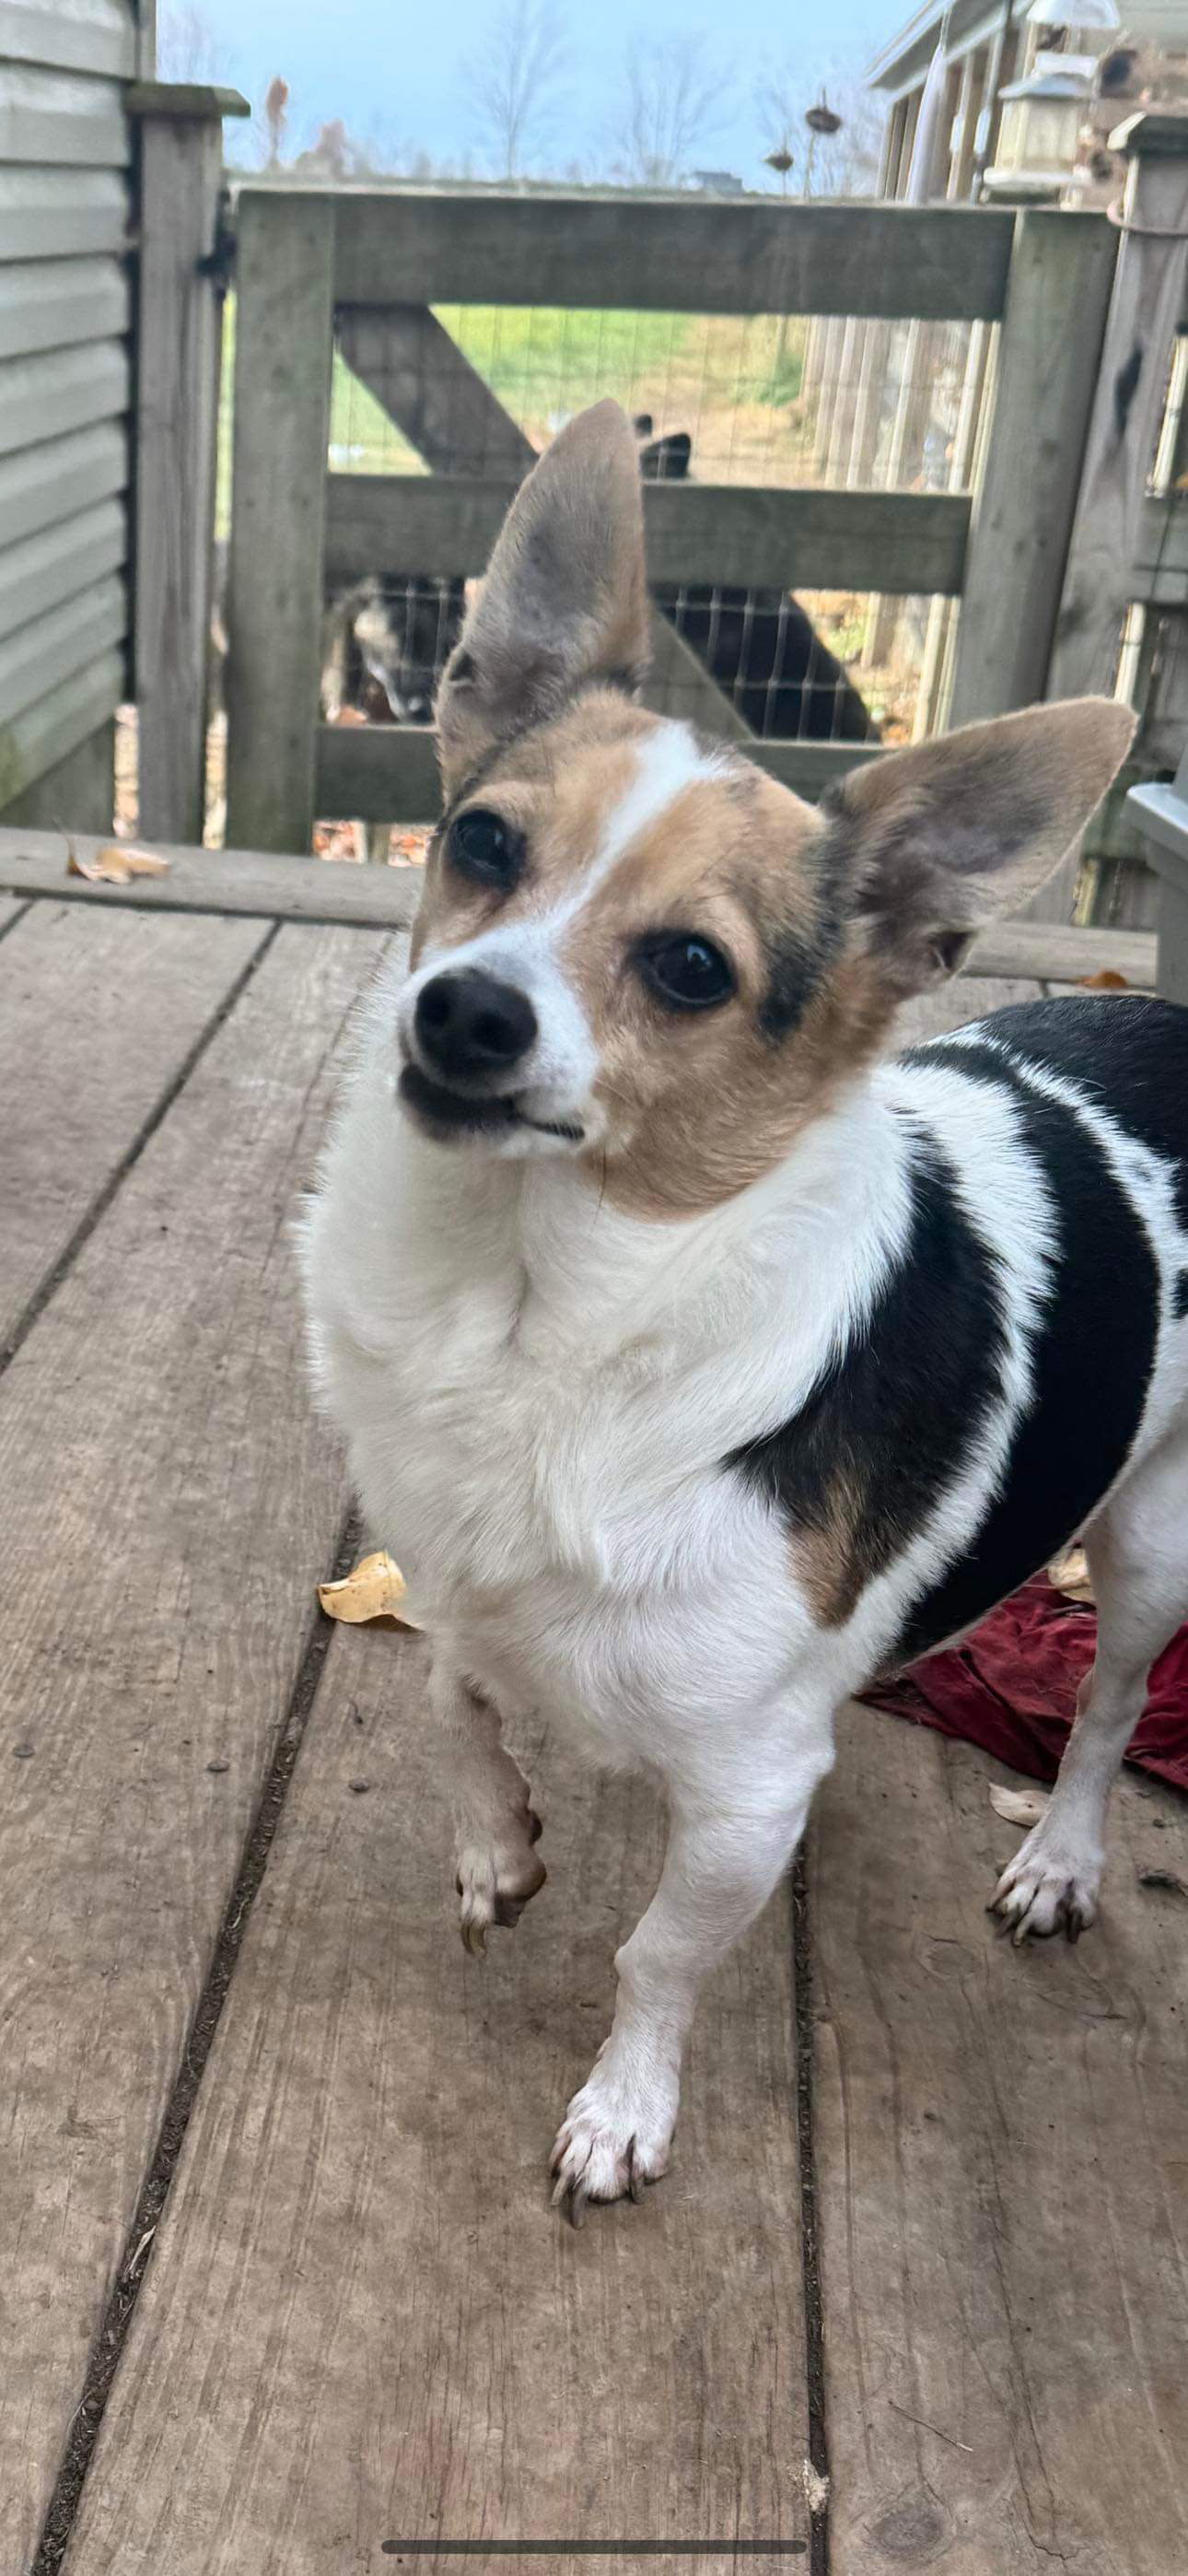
279 2285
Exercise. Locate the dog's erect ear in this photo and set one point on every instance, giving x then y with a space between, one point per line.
564 600
929 844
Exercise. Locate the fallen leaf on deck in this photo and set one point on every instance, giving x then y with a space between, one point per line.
1106 980
336 841
370 1595
1070 1575
116 864
1019 1806
816 2488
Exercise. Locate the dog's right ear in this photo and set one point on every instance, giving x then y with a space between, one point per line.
565 598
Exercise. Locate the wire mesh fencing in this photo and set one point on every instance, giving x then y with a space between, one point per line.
761 400
766 401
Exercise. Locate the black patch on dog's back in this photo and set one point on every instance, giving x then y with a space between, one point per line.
860 1468
1125 1050
1095 1344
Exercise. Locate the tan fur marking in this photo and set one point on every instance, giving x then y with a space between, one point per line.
702 1104
728 1106
828 1562
698 1104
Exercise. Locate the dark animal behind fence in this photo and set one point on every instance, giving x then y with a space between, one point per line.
759 645
387 639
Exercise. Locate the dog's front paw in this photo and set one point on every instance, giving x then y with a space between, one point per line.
497 1878
1050 1886
615 2136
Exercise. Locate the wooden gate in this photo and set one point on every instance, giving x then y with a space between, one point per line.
315 264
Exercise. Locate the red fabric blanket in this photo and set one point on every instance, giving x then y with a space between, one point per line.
1012 1687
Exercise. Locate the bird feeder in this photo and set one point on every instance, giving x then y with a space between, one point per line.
1041 122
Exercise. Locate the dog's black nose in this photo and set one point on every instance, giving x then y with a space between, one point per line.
469 1024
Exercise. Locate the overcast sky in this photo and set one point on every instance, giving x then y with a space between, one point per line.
400 71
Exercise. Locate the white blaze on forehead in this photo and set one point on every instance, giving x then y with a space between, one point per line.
667 762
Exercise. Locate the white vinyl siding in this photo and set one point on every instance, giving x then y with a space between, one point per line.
64 375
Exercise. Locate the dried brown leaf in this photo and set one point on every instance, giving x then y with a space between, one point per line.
1019 1806
1106 980
115 863
370 1596
1070 1574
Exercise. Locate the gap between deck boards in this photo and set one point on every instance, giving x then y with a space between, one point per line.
97 2362
810 2236
9 919
93 1215
132 2267
104 2358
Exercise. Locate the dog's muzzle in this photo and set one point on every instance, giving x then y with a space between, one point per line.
471 1031
471 1039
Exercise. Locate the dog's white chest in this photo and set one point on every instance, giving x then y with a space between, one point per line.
548 1515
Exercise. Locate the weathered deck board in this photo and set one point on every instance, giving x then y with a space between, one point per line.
96 1018
168 1498
262 884
1002 2166
361 2321
305 889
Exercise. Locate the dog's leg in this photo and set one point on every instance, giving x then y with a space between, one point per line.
495 1828
727 1847
1138 1560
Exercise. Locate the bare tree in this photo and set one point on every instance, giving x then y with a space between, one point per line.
514 83
276 117
188 48
832 154
673 101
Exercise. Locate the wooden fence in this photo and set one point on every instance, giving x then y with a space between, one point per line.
881 392
315 264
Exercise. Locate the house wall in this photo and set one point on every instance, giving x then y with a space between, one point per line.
64 398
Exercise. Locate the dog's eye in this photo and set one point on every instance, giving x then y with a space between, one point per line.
689 974
486 848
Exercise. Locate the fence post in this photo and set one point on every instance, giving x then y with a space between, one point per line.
1058 293
178 335
1144 317
283 343
1145 311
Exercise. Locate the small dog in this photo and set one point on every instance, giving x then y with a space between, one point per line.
390 634
696 1364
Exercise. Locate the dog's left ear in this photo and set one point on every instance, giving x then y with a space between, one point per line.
565 597
931 843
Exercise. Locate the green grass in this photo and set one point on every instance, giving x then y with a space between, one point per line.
544 363
540 358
